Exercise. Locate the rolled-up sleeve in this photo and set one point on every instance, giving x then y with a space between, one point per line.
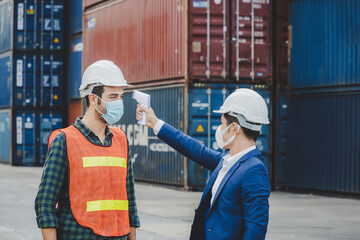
51 183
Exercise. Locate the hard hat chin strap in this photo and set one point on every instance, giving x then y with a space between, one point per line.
244 123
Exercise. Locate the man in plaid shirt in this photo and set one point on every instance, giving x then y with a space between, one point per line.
102 86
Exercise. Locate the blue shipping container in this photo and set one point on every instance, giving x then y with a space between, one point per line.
5 79
31 24
282 136
51 24
5 136
323 142
25 138
76 16
32 80
32 129
48 122
325 46
75 64
5 25
154 160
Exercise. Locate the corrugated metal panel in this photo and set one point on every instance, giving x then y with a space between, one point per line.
5 135
76 16
32 24
208 43
89 3
51 21
24 123
138 35
75 110
5 79
154 160
202 101
51 75
25 73
325 46
26 24
31 133
6 24
283 136
75 63
323 142
38 80
48 122
256 64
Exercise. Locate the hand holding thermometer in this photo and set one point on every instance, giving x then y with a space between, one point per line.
144 100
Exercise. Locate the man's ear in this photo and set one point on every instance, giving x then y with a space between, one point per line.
92 99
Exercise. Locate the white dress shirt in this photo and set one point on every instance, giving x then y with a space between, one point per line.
228 162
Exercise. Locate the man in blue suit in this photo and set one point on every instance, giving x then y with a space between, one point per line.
234 204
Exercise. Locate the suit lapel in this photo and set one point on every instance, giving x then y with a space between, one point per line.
230 173
212 180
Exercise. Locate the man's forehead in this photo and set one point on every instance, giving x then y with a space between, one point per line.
113 90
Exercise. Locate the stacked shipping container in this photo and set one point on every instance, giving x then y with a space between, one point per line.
75 59
324 97
181 49
31 64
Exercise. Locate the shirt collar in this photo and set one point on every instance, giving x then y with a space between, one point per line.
230 160
87 131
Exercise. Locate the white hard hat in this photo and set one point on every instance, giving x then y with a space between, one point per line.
249 108
102 73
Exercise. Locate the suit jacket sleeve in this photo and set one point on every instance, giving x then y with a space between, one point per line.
255 194
189 147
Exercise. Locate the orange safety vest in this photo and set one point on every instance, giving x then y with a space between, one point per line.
97 182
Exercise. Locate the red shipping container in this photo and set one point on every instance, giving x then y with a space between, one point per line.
88 3
248 62
158 40
75 110
145 38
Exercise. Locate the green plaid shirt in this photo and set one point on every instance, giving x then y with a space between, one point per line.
54 188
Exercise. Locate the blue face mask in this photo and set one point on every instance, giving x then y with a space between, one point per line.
114 111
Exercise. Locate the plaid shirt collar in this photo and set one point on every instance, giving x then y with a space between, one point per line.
87 131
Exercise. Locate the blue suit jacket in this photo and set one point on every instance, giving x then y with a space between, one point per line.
240 209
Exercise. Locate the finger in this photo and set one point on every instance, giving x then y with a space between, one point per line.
147 110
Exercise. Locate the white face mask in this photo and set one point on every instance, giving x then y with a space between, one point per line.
220 134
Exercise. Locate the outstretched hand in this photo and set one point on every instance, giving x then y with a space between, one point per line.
151 118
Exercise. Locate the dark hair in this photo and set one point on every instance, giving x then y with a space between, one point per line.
250 134
99 90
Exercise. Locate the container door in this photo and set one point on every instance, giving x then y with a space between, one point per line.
5 79
51 80
51 25
6 13
250 38
25 138
24 74
5 136
263 141
26 14
208 38
49 121
283 136
76 16
202 126
75 64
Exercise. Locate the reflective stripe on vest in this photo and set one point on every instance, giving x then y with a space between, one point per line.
97 182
